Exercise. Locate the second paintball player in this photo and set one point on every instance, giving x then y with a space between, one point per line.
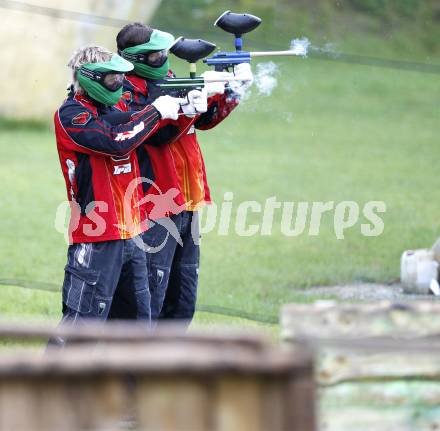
173 266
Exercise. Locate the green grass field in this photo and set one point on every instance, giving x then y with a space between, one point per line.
329 132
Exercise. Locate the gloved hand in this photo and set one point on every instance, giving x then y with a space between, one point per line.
197 103
215 87
168 107
244 78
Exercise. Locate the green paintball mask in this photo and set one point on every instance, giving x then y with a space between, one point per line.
150 59
103 81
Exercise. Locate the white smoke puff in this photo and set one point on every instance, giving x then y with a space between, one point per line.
266 78
330 49
300 46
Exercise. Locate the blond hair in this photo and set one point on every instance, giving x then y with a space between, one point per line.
84 55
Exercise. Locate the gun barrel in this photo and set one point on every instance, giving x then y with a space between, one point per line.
197 83
274 53
226 80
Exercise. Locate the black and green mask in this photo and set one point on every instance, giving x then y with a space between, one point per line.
150 59
103 81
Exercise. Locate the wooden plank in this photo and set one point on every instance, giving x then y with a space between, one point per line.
380 395
177 356
366 419
163 382
340 366
328 319
19 408
58 405
131 331
275 414
172 403
300 399
239 404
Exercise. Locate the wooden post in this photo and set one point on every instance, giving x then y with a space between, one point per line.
378 365
161 381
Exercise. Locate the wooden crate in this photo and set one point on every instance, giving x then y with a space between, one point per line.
161 381
378 365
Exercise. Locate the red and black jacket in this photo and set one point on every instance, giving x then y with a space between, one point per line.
101 166
178 165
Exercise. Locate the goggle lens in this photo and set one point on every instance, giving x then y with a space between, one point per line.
113 81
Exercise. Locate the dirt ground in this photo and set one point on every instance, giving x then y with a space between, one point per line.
366 292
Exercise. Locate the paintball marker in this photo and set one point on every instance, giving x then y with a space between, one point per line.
191 50
239 24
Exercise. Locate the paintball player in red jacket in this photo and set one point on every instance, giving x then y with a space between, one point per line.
100 165
173 262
